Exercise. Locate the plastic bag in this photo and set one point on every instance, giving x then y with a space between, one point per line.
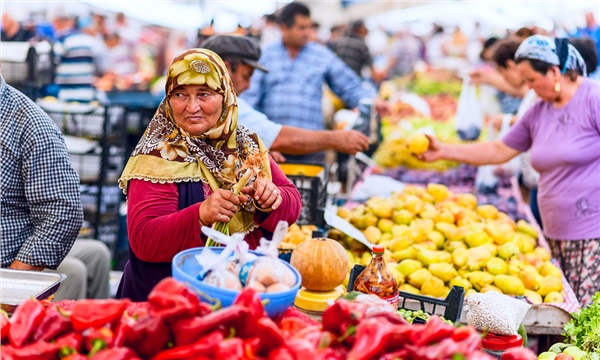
268 273
495 312
215 268
486 180
240 248
469 117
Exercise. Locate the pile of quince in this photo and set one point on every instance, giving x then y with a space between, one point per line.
436 239
403 140
297 234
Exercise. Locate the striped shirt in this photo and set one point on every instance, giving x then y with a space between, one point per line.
39 191
76 69
291 92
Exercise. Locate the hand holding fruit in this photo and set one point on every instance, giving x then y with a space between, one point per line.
434 151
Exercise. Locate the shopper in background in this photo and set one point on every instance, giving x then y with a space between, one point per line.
12 30
182 173
353 50
241 55
591 30
77 68
291 92
563 133
587 49
41 208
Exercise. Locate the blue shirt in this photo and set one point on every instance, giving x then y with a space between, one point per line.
258 122
291 92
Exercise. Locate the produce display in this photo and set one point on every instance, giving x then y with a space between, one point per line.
176 325
436 239
394 150
297 234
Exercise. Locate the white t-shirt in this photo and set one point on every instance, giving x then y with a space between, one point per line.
258 122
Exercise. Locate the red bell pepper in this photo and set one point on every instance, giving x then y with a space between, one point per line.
53 325
188 330
36 351
230 349
281 353
123 329
371 339
342 315
252 301
518 354
204 348
24 321
99 339
251 348
399 336
462 333
434 330
171 298
301 348
148 336
116 353
316 337
332 354
96 313
269 334
41 350
69 344
445 349
4 326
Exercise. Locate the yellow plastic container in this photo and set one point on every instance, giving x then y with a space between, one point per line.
301 169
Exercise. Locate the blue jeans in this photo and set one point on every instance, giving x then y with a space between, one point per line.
533 203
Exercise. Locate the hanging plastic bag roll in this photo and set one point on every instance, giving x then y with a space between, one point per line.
469 117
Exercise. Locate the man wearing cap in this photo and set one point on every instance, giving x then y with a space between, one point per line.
291 93
241 54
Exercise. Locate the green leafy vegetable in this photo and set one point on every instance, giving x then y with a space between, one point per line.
584 328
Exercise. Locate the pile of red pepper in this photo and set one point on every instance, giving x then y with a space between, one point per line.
174 324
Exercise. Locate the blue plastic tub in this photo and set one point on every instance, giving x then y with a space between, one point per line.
186 268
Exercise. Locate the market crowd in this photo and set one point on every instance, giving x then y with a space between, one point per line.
261 89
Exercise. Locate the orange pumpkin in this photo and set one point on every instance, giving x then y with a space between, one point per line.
322 262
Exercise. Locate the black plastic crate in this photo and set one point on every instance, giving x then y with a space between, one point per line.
311 181
452 304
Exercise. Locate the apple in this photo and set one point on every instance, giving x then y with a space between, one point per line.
548 355
518 354
575 352
563 356
558 347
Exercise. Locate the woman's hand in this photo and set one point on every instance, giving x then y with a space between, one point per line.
265 193
220 206
434 152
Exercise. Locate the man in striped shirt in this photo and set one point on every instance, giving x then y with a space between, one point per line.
76 70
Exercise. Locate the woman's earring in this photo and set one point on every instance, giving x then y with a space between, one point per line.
557 86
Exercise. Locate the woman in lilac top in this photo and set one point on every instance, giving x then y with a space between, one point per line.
562 132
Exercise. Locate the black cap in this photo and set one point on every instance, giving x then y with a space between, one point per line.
243 47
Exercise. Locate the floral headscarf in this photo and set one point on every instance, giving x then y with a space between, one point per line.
552 51
168 154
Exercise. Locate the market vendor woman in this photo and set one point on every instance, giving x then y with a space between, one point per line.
562 132
183 172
